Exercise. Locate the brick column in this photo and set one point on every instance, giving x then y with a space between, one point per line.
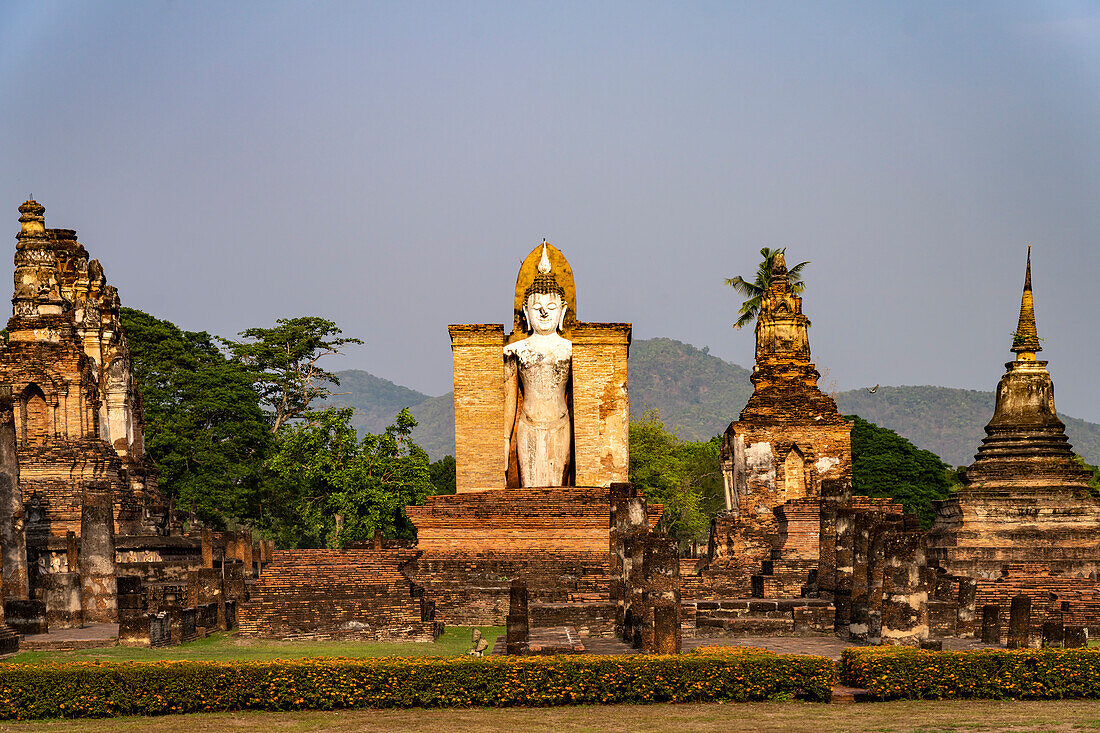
478 353
601 410
518 628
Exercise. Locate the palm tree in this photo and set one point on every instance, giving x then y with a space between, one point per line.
754 290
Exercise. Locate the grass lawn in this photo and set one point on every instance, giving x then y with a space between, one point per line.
1062 715
228 647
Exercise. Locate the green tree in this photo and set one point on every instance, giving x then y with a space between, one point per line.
204 427
1094 480
753 291
683 476
884 464
443 474
284 360
341 489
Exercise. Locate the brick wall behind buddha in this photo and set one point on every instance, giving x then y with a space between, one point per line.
477 350
322 594
601 408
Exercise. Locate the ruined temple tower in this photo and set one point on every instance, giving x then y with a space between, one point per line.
78 419
788 444
1026 498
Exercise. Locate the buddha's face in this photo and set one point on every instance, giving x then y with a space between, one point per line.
545 312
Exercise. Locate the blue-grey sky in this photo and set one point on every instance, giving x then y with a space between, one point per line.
387 165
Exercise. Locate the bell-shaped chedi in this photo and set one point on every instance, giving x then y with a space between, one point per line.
785 380
1025 507
1025 447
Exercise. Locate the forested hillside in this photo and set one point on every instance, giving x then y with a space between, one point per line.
698 395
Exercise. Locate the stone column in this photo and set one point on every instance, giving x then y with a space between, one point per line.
860 614
1019 622
842 596
662 575
630 523
1053 633
518 629
72 557
244 549
964 614
1076 637
904 616
834 493
13 540
991 624
97 557
267 553
666 630
207 547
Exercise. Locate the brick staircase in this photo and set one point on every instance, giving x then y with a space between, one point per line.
760 617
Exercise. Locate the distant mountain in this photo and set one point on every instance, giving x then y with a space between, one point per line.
698 395
376 400
949 422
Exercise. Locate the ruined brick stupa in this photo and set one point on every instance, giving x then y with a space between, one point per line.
787 443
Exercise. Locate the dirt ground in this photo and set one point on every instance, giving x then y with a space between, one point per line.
1070 715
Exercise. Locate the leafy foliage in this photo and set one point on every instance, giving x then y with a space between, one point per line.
886 465
444 476
204 426
341 489
683 476
88 690
753 291
284 361
1094 480
310 482
890 673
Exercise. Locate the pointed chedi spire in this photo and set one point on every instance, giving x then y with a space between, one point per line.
1025 342
1026 448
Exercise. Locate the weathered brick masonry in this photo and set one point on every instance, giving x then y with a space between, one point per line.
326 594
788 442
1025 522
475 544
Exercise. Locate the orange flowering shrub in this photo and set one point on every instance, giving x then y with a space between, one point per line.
102 689
889 673
731 649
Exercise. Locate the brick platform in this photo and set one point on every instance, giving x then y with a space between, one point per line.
338 594
474 544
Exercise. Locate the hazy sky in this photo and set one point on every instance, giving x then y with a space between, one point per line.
387 165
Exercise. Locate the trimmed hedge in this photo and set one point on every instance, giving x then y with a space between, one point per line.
93 689
890 673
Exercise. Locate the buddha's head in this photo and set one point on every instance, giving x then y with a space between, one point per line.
544 301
